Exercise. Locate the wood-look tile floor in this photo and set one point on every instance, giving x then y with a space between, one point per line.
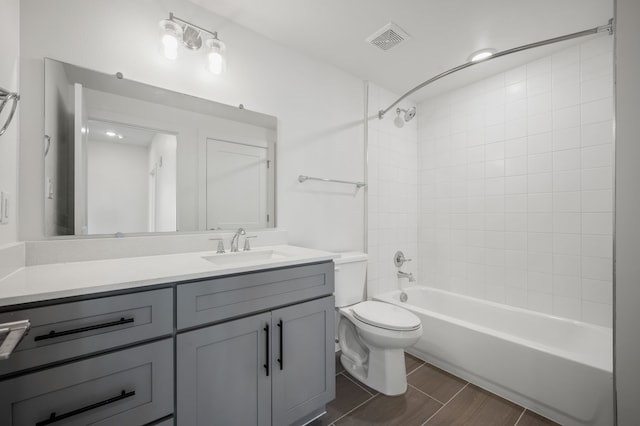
433 397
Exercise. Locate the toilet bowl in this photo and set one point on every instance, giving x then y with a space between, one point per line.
372 335
373 347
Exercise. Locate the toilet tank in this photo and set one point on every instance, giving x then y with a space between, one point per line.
350 278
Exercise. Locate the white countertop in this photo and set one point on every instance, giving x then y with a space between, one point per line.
57 280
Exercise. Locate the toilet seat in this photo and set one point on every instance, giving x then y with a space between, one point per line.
386 316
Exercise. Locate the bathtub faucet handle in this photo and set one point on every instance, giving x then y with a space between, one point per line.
399 259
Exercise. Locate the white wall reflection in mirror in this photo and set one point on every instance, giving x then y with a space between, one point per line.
130 180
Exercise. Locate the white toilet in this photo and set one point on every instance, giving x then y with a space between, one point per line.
372 335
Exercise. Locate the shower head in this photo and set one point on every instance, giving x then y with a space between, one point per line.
408 116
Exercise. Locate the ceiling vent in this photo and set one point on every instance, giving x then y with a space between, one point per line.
387 37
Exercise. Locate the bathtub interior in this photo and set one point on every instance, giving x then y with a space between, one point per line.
586 343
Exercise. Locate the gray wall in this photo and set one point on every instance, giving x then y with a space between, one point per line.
627 244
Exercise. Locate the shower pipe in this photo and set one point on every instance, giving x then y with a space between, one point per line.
596 30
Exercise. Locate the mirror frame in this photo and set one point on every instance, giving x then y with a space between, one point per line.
119 86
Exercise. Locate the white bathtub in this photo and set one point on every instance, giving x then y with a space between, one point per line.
559 368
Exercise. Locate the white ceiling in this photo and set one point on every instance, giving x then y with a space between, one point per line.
131 135
443 33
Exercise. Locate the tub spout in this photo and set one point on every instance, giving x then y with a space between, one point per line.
406 275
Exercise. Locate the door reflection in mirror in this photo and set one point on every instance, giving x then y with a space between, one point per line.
237 181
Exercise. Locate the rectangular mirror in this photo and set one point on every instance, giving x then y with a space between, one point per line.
125 157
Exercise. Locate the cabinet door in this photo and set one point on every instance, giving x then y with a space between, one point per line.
222 374
303 360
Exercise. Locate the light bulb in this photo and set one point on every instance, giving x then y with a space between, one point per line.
216 62
481 55
171 35
113 134
170 44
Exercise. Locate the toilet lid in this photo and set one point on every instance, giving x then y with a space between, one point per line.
386 315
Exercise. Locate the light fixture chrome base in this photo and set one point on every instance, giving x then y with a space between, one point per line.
191 38
192 34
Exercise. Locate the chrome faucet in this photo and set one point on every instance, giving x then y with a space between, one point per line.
406 275
236 239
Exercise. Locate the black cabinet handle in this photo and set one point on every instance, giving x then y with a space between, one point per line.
53 334
266 365
281 359
53 418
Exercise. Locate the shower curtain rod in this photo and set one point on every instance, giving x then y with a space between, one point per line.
602 28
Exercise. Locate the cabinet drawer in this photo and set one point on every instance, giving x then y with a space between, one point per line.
128 387
224 298
69 330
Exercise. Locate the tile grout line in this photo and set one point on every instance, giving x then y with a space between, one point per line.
426 394
416 369
524 410
357 384
456 394
450 399
353 409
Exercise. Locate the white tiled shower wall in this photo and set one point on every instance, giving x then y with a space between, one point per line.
392 193
516 186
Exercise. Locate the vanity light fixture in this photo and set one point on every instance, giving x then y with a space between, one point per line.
175 31
481 55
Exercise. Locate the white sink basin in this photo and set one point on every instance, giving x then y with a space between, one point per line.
244 257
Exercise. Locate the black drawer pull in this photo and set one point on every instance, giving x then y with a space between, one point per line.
266 365
53 334
281 359
53 418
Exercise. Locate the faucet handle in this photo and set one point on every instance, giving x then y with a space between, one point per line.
399 259
247 246
220 244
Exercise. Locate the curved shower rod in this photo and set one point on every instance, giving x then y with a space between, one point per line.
602 28
5 98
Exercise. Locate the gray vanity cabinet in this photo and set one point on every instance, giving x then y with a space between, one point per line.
275 368
249 349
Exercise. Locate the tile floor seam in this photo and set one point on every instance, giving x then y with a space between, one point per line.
424 393
415 369
357 384
354 408
450 399
524 410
